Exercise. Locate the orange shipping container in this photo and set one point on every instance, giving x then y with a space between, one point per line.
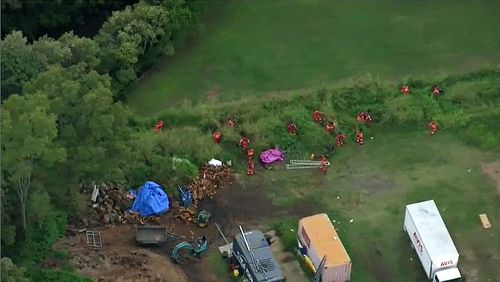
318 235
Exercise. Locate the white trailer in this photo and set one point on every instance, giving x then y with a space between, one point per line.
432 242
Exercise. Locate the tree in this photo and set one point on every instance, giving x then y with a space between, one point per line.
12 273
83 51
92 127
28 132
19 63
8 227
36 18
51 51
131 33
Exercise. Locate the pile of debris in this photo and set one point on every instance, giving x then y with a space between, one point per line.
187 214
209 180
109 205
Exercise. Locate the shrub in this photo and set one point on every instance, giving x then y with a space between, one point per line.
54 275
189 143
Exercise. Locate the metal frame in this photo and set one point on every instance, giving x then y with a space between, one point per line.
304 164
94 239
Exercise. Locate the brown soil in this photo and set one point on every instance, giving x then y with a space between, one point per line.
374 183
212 96
492 170
120 259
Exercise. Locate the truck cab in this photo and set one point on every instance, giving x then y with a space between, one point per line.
448 275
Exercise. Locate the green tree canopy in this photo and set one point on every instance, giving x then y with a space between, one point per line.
28 132
19 63
10 272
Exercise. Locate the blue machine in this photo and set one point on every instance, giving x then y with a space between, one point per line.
185 197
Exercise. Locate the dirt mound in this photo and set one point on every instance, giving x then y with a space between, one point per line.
492 170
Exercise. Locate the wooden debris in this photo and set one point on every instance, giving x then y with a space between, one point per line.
209 180
485 221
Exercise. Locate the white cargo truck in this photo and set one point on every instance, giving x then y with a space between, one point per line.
432 242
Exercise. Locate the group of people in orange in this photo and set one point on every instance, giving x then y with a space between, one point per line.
318 117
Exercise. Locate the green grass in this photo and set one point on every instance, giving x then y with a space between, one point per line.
259 46
375 182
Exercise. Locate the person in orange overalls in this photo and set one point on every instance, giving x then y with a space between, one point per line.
292 128
330 127
324 164
159 126
250 168
436 91
359 137
405 90
216 136
433 126
244 143
230 123
363 117
340 138
318 116
250 154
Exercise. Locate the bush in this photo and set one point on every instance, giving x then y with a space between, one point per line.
184 170
44 235
189 143
287 231
403 109
59 276
12 273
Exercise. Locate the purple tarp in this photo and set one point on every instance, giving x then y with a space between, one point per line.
271 156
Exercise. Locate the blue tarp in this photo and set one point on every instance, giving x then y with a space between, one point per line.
150 200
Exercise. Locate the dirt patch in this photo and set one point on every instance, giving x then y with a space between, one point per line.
492 170
287 261
374 184
248 205
119 259
213 95
380 270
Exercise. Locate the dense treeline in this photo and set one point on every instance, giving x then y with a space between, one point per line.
52 18
124 45
63 125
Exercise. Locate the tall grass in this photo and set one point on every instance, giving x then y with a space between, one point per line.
469 107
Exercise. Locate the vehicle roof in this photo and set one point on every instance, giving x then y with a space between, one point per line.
432 230
262 253
325 239
448 274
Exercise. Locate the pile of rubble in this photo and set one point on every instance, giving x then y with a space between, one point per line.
110 205
209 180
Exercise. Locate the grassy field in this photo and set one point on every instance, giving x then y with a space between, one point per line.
375 182
259 46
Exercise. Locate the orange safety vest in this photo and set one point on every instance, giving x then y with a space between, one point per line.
330 127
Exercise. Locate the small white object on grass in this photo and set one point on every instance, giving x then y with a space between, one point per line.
350 221
411 258
291 229
338 197
371 138
469 170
